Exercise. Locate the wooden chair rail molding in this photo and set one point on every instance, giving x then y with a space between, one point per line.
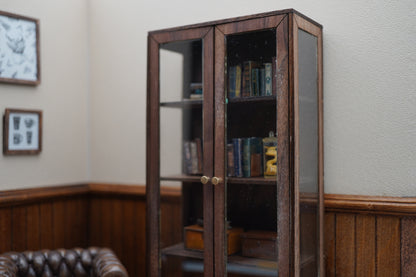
364 235
370 204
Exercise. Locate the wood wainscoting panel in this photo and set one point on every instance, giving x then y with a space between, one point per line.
408 246
365 256
46 223
5 229
364 235
345 244
388 246
44 218
118 221
370 238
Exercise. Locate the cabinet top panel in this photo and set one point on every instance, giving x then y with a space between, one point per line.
236 19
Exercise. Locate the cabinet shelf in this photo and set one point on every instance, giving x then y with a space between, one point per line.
184 103
252 180
180 251
230 180
236 263
182 178
252 99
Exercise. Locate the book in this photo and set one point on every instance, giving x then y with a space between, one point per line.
238 81
255 82
199 155
262 81
194 158
234 81
187 160
230 160
246 82
246 157
231 81
238 152
256 152
268 90
196 91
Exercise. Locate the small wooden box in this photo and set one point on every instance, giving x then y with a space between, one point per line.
259 244
194 239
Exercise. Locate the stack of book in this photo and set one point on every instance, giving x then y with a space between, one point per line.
251 79
192 157
245 157
196 91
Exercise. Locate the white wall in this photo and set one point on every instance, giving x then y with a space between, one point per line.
62 95
369 76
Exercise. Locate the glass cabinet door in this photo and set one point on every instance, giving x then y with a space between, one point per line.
268 154
308 165
185 144
249 194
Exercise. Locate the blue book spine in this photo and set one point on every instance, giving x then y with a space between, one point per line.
246 158
238 157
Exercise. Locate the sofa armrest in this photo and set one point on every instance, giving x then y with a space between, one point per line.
106 264
8 267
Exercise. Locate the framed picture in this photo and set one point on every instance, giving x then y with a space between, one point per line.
19 49
22 132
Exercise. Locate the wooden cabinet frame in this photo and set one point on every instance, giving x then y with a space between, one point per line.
286 24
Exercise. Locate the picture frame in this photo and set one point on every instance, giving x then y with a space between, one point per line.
19 49
22 132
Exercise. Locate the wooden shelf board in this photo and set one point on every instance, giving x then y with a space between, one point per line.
182 178
252 99
179 250
185 103
252 180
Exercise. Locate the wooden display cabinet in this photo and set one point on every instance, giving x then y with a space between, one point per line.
215 91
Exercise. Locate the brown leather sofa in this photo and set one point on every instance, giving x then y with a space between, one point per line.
75 262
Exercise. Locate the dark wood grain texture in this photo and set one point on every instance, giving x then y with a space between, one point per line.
235 19
208 151
19 225
5 229
394 253
388 246
365 247
219 170
330 243
284 151
46 225
345 245
152 164
408 246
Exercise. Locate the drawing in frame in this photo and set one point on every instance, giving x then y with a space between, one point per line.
19 49
22 132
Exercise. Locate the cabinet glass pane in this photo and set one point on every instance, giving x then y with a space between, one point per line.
251 186
181 156
308 151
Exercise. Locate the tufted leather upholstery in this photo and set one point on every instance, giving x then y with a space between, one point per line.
76 262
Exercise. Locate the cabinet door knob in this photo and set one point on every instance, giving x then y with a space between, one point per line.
216 180
204 179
